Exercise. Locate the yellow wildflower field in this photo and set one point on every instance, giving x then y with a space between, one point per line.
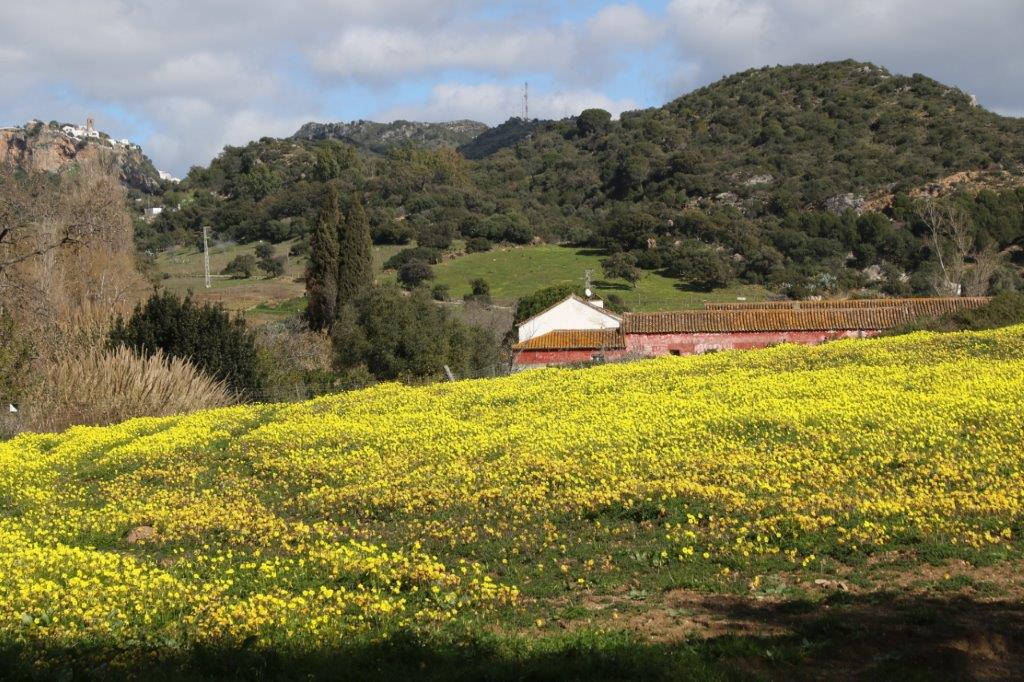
407 509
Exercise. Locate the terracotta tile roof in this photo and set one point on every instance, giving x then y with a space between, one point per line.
574 339
919 306
697 321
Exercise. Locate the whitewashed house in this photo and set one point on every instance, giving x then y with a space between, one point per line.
574 313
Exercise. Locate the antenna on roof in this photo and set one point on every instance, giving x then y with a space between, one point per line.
586 286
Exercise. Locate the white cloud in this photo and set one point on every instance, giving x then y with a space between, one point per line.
193 74
493 103
973 45
626 25
378 53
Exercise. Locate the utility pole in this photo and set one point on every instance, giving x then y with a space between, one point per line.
206 257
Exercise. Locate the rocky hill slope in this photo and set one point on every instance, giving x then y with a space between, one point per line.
49 147
501 136
380 137
799 134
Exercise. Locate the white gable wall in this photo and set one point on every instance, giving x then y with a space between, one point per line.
569 314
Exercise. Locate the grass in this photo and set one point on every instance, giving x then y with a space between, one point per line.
259 298
512 272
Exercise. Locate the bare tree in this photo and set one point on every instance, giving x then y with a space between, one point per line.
66 251
965 268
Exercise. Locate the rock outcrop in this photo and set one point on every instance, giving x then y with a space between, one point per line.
380 137
44 147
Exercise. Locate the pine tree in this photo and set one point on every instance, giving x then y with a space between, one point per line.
355 262
322 272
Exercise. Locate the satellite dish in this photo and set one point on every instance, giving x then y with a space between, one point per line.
588 292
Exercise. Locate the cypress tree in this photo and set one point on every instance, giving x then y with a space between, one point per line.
322 272
355 262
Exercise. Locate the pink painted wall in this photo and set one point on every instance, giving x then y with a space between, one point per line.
542 358
693 343
640 345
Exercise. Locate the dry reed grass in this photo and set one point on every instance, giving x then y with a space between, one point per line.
103 386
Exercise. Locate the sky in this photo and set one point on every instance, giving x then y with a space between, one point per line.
185 77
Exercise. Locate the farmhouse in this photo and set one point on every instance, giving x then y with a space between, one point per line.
568 333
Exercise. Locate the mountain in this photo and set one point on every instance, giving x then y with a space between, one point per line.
802 134
51 147
802 178
380 137
501 136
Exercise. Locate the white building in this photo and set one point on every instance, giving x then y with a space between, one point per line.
570 313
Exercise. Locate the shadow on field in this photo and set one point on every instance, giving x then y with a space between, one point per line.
874 637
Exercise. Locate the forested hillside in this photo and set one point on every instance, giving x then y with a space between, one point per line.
804 178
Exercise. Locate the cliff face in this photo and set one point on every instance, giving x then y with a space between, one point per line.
380 137
38 146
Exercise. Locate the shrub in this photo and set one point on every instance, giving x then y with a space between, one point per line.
274 267
437 236
699 267
203 334
104 386
478 245
424 254
480 287
395 336
264 251
621 265
440 292
1006 308
240 267
414 273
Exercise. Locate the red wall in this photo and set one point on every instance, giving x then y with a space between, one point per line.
684 344
542 358
691 343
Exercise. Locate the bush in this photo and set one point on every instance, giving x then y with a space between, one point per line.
104 386
300 247
480 291
264 251
1006 308
435 236
478 245
296 361
440 292
621 265
423 254
407 337
274 267
480 287
414 273
699 267
204 334
240 267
